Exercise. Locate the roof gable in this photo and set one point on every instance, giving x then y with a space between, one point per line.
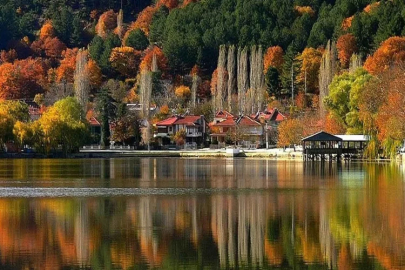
321 136
247 121
223 114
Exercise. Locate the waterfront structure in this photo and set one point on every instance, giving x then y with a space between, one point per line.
242 129
322 145
193 125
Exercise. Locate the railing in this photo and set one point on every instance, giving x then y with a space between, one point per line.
194 134
111 147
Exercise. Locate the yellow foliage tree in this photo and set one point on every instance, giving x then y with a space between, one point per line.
311 61
183 91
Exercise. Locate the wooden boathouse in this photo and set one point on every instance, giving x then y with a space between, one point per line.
323 145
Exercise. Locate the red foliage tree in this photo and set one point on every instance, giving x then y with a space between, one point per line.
22 79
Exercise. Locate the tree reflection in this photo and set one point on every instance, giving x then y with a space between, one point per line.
347 220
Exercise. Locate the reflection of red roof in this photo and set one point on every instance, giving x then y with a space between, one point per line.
188 120
247 121
167 122
94 122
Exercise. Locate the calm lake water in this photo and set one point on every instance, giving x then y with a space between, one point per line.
172 213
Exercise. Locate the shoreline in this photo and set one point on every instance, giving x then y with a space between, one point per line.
275 153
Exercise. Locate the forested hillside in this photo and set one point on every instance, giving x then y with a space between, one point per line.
170 49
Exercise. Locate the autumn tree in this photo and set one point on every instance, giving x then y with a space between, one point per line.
62 124
308 77
327 70
11 112
106 23
333 125
346 46
183 92
125 60
391 52
273 58
290 132
143 20
82 79
65 71
146 63
22 79
53 47
47 31
343 99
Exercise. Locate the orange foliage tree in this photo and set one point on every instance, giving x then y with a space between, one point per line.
95 74
8 56
143 20
391 52
273 58
300 101
290 132
333 125
125 60
310 62
67 66
162 61
346 46
47 31
371 7
66 69
22 79
347 23
106 23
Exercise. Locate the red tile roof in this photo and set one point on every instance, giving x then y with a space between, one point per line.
228 122
188 120
247 121
94 122
280 117
167 122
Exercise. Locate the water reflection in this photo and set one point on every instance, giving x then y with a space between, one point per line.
286 215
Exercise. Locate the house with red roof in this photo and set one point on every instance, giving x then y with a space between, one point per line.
227 128
195 127
272 117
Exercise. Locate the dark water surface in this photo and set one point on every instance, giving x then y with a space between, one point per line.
172 213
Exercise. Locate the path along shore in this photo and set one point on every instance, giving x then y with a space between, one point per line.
265 153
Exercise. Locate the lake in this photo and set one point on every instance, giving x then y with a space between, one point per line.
171 213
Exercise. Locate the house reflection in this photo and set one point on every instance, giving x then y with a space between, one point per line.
285 214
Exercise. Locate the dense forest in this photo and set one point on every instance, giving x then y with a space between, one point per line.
168 53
